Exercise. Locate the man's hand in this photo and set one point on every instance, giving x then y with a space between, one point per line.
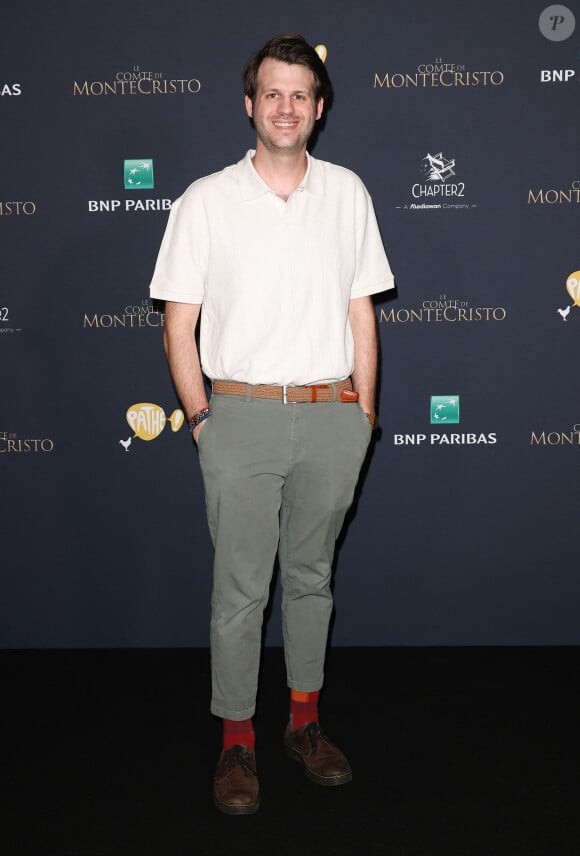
363 324
198 429
181 349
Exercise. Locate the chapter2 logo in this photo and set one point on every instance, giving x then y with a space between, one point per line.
147 421
438 168
435 191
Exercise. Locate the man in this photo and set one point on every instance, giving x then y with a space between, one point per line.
281 253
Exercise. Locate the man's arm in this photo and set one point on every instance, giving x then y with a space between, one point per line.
363 324
183 359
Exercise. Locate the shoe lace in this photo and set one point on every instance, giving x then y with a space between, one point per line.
238 755
315 733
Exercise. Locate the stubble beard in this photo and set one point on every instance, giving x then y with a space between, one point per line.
290 147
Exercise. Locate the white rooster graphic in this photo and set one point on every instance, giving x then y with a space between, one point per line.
564 313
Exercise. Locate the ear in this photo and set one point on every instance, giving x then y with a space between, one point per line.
249 105
319 108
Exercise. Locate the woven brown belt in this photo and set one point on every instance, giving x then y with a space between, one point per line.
288 394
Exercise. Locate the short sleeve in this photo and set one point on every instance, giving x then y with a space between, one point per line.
373 272
180 273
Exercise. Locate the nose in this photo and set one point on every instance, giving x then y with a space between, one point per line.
285 104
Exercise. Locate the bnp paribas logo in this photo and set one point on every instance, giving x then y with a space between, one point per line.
444 410
138 174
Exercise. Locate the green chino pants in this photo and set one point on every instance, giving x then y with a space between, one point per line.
278 478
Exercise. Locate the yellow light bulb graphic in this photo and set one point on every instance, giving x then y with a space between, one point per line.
176 420
573 287
322 52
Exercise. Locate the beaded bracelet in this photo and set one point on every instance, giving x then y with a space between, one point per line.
198 418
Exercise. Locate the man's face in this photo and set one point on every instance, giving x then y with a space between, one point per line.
284 111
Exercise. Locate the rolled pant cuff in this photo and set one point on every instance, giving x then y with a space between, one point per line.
228 713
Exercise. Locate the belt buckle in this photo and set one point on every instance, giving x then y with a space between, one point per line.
284 395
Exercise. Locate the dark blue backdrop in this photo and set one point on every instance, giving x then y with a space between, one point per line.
464 532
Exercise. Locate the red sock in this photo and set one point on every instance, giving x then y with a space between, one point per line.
238 733
303 708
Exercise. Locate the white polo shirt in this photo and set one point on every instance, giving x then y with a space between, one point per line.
274 278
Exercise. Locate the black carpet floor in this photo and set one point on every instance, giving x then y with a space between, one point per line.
455 752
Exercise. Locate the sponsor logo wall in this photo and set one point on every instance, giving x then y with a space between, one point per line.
466 135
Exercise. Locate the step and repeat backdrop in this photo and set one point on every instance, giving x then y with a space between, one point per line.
462 118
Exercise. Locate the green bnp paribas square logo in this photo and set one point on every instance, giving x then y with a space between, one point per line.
139 174
444 409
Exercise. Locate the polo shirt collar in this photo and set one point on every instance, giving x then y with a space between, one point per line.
252 185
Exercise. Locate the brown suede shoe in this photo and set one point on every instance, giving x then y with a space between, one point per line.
235 784
324 763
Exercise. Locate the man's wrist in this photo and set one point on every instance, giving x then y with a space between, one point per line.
198 418
367 405
373 418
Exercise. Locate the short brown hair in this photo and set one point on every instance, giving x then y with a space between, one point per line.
293 49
